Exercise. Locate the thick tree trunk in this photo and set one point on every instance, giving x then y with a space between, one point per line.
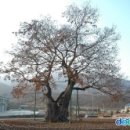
58 110
52 111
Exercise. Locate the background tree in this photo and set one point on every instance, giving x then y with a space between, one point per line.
80 50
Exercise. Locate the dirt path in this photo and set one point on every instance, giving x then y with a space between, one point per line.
89 124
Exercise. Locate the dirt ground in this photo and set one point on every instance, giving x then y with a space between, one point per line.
39 124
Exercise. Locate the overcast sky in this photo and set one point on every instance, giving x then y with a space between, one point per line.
112 12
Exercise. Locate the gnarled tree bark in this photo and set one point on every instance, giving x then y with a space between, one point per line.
57 111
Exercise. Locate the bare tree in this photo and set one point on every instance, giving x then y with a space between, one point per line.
79 49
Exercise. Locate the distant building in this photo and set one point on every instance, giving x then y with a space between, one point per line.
3 103
127 107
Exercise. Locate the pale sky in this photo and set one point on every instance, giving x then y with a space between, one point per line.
116 12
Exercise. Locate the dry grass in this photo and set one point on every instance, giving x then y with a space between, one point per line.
89 124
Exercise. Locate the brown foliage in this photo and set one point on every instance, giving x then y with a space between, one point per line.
85 53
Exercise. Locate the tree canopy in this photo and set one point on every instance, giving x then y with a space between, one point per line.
78 49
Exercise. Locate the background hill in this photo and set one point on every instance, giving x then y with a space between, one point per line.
86 98
5 89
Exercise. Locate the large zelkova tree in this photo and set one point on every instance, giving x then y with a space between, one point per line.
79 49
